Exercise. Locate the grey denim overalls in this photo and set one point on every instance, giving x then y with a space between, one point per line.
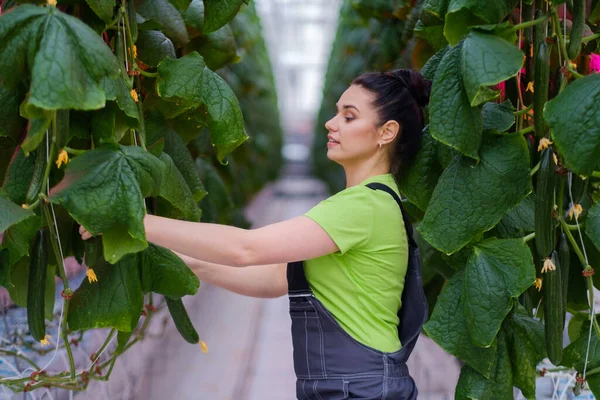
329 363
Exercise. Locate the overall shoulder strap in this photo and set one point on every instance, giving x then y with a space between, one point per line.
407 224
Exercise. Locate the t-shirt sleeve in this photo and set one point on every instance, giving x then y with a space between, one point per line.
347 217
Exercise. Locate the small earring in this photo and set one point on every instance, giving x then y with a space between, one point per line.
380 145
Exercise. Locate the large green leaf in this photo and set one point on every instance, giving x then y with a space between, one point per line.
188 80
194 17
574 355
104 191
65 57
452 119
575 123
167 16
527 347
472 385
11 123
10 213
419 183
163 272
519 221
448 328
175 190
433 11
153 47
117 90
592 226
217 192
486 61
219 12
115 301
497 272
462 14
429 69
470 198
103 8
18 176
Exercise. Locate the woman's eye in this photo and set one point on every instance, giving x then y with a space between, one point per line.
348 119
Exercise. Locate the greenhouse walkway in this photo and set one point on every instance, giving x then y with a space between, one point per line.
250 350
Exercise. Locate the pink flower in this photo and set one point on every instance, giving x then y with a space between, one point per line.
595 62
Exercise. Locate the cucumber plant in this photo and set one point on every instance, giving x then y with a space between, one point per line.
509 162
115 109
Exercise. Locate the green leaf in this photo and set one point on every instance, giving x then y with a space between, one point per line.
39 123
153 47
448 328
217 48
188 80
167 16
452 119
115 301
498 118
574 120
163 272
574 355
431 66
592 226
217 192
18 176
194 17
19 284
10 213
527 347
11 123
497 272
462 14
472 385
576 324
470 198
66 58
219 12
122 340
486 61
182 158
519 221
433 11
117 90
112 183
18 237
422 177
103 8
175 190
103 125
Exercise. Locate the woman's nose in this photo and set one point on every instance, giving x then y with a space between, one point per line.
329 125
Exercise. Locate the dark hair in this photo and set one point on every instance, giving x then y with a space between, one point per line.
399 96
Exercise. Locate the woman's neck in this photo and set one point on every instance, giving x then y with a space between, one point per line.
355 176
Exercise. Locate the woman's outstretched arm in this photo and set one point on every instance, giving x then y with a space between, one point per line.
296 239
264 281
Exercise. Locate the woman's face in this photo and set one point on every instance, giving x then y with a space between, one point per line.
352 131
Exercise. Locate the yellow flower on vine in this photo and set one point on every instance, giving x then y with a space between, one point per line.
63 158
203 346
134 94
91 275
548 266
538 284
134 51
530 87
45 341
51 2
575 210
25 206
544 143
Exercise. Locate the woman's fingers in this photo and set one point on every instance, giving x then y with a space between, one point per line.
85 235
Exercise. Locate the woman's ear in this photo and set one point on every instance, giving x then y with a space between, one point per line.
389 131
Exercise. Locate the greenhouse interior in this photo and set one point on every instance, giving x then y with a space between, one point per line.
299 199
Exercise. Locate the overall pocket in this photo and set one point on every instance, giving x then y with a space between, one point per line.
307 339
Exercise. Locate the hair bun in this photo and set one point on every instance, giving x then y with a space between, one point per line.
417 85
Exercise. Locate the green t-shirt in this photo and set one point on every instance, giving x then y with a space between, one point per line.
361 285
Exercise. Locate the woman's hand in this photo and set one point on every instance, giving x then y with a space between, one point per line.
85 235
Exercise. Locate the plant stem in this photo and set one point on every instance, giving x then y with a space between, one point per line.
574 227
50 154
145 73
114 22
99 352
524 130
595 174
74 151
556 24
576 248
528 24
524 110
535 169
17 354
529 237
591 37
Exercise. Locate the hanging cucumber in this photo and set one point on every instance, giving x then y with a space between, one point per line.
576 29
554 310
62 128
545 237
564 260
182 320
36 290
132 20
38 174
540 84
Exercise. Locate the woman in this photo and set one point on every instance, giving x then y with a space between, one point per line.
357 302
